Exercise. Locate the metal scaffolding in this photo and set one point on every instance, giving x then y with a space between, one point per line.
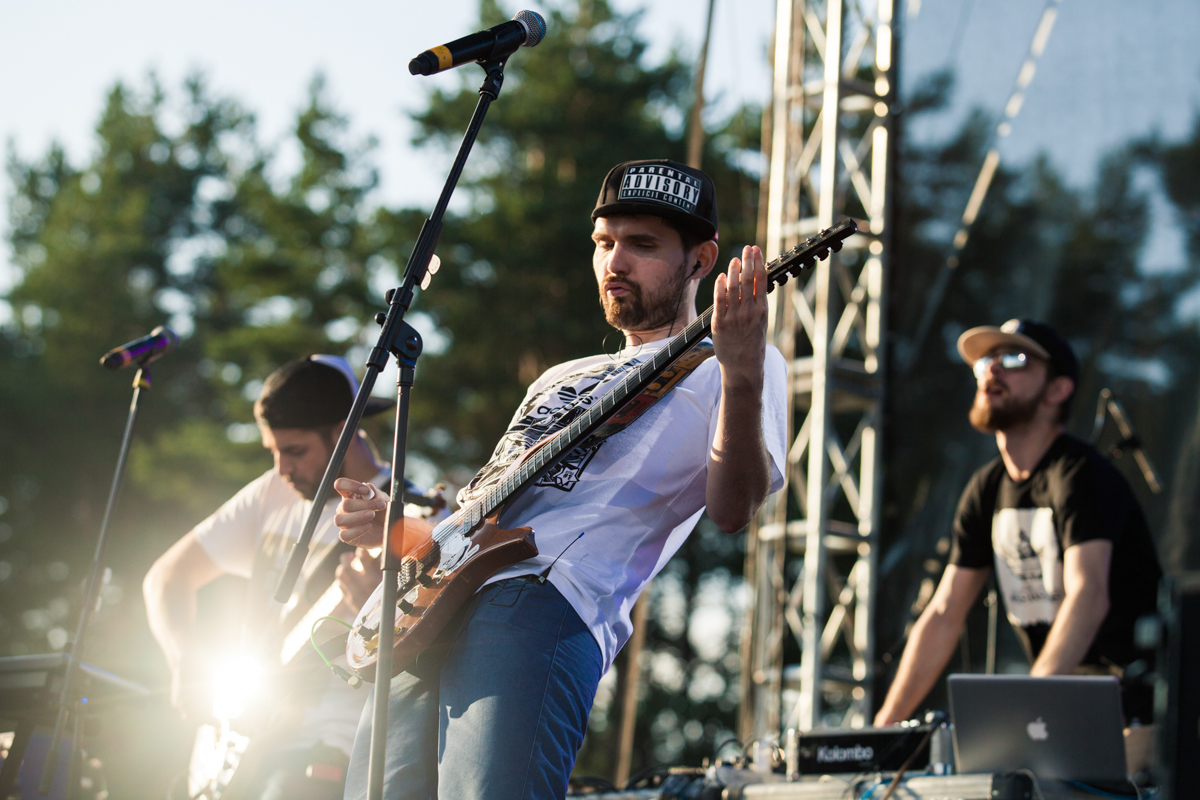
808 643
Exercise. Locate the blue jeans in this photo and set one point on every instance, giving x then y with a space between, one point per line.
496 708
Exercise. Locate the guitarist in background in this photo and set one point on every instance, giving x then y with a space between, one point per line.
498 706
300 413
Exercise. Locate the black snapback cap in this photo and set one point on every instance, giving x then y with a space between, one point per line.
660 188
311 393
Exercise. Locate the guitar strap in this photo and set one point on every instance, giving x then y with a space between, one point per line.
640 403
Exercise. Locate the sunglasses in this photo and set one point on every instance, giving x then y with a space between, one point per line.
1010 361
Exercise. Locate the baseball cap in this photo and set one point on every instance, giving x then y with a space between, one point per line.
661 188
310 393
1030 335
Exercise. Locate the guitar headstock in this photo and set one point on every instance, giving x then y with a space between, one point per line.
804 255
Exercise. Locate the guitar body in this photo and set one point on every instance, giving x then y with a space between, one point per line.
434 595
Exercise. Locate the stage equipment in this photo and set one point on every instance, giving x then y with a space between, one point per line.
830 144
438 575
1177 692
31 689
1059 726
498 42
1109 406
402 341
851 750
141 352
1001 786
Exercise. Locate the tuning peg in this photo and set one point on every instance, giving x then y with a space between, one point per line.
380 318
823 254
782 279
836 246
387 297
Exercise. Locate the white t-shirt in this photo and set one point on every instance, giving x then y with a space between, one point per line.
251 536
635 497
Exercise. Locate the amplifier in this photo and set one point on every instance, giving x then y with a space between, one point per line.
857 750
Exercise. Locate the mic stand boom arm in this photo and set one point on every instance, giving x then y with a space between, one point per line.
399 338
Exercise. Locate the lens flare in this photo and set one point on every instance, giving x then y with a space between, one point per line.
234 682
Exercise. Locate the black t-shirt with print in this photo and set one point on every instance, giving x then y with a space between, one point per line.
1022 528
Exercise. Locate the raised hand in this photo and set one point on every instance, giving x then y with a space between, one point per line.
739 324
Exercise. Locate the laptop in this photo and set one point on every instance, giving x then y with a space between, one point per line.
1065 727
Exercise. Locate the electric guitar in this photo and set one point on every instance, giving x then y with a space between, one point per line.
441 571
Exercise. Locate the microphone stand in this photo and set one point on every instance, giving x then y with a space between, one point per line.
400 339
67 699
1109 406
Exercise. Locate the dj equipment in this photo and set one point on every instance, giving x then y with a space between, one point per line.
853 750
983 786
526 29
1063 726
437 574
143 351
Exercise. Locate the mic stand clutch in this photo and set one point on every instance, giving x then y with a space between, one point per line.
68 702
398 338
1109 406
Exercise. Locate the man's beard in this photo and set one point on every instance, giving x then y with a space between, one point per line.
306 489
638 311
988 418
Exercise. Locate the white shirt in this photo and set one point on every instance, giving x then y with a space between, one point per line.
251 536
635 497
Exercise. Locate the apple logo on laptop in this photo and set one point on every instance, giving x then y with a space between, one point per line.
1037 730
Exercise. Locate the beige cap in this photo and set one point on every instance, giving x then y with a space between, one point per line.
978 342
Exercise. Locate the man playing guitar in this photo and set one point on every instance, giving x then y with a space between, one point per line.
300 413
498 705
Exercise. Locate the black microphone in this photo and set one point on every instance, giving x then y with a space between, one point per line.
526 29
143 351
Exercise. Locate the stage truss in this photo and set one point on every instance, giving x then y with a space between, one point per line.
811 561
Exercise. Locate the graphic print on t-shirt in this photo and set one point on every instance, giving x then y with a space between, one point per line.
1028 564
544 414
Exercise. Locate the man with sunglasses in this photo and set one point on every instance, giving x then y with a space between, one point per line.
1073 555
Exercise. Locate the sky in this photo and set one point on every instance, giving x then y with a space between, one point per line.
62 57
1111 71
